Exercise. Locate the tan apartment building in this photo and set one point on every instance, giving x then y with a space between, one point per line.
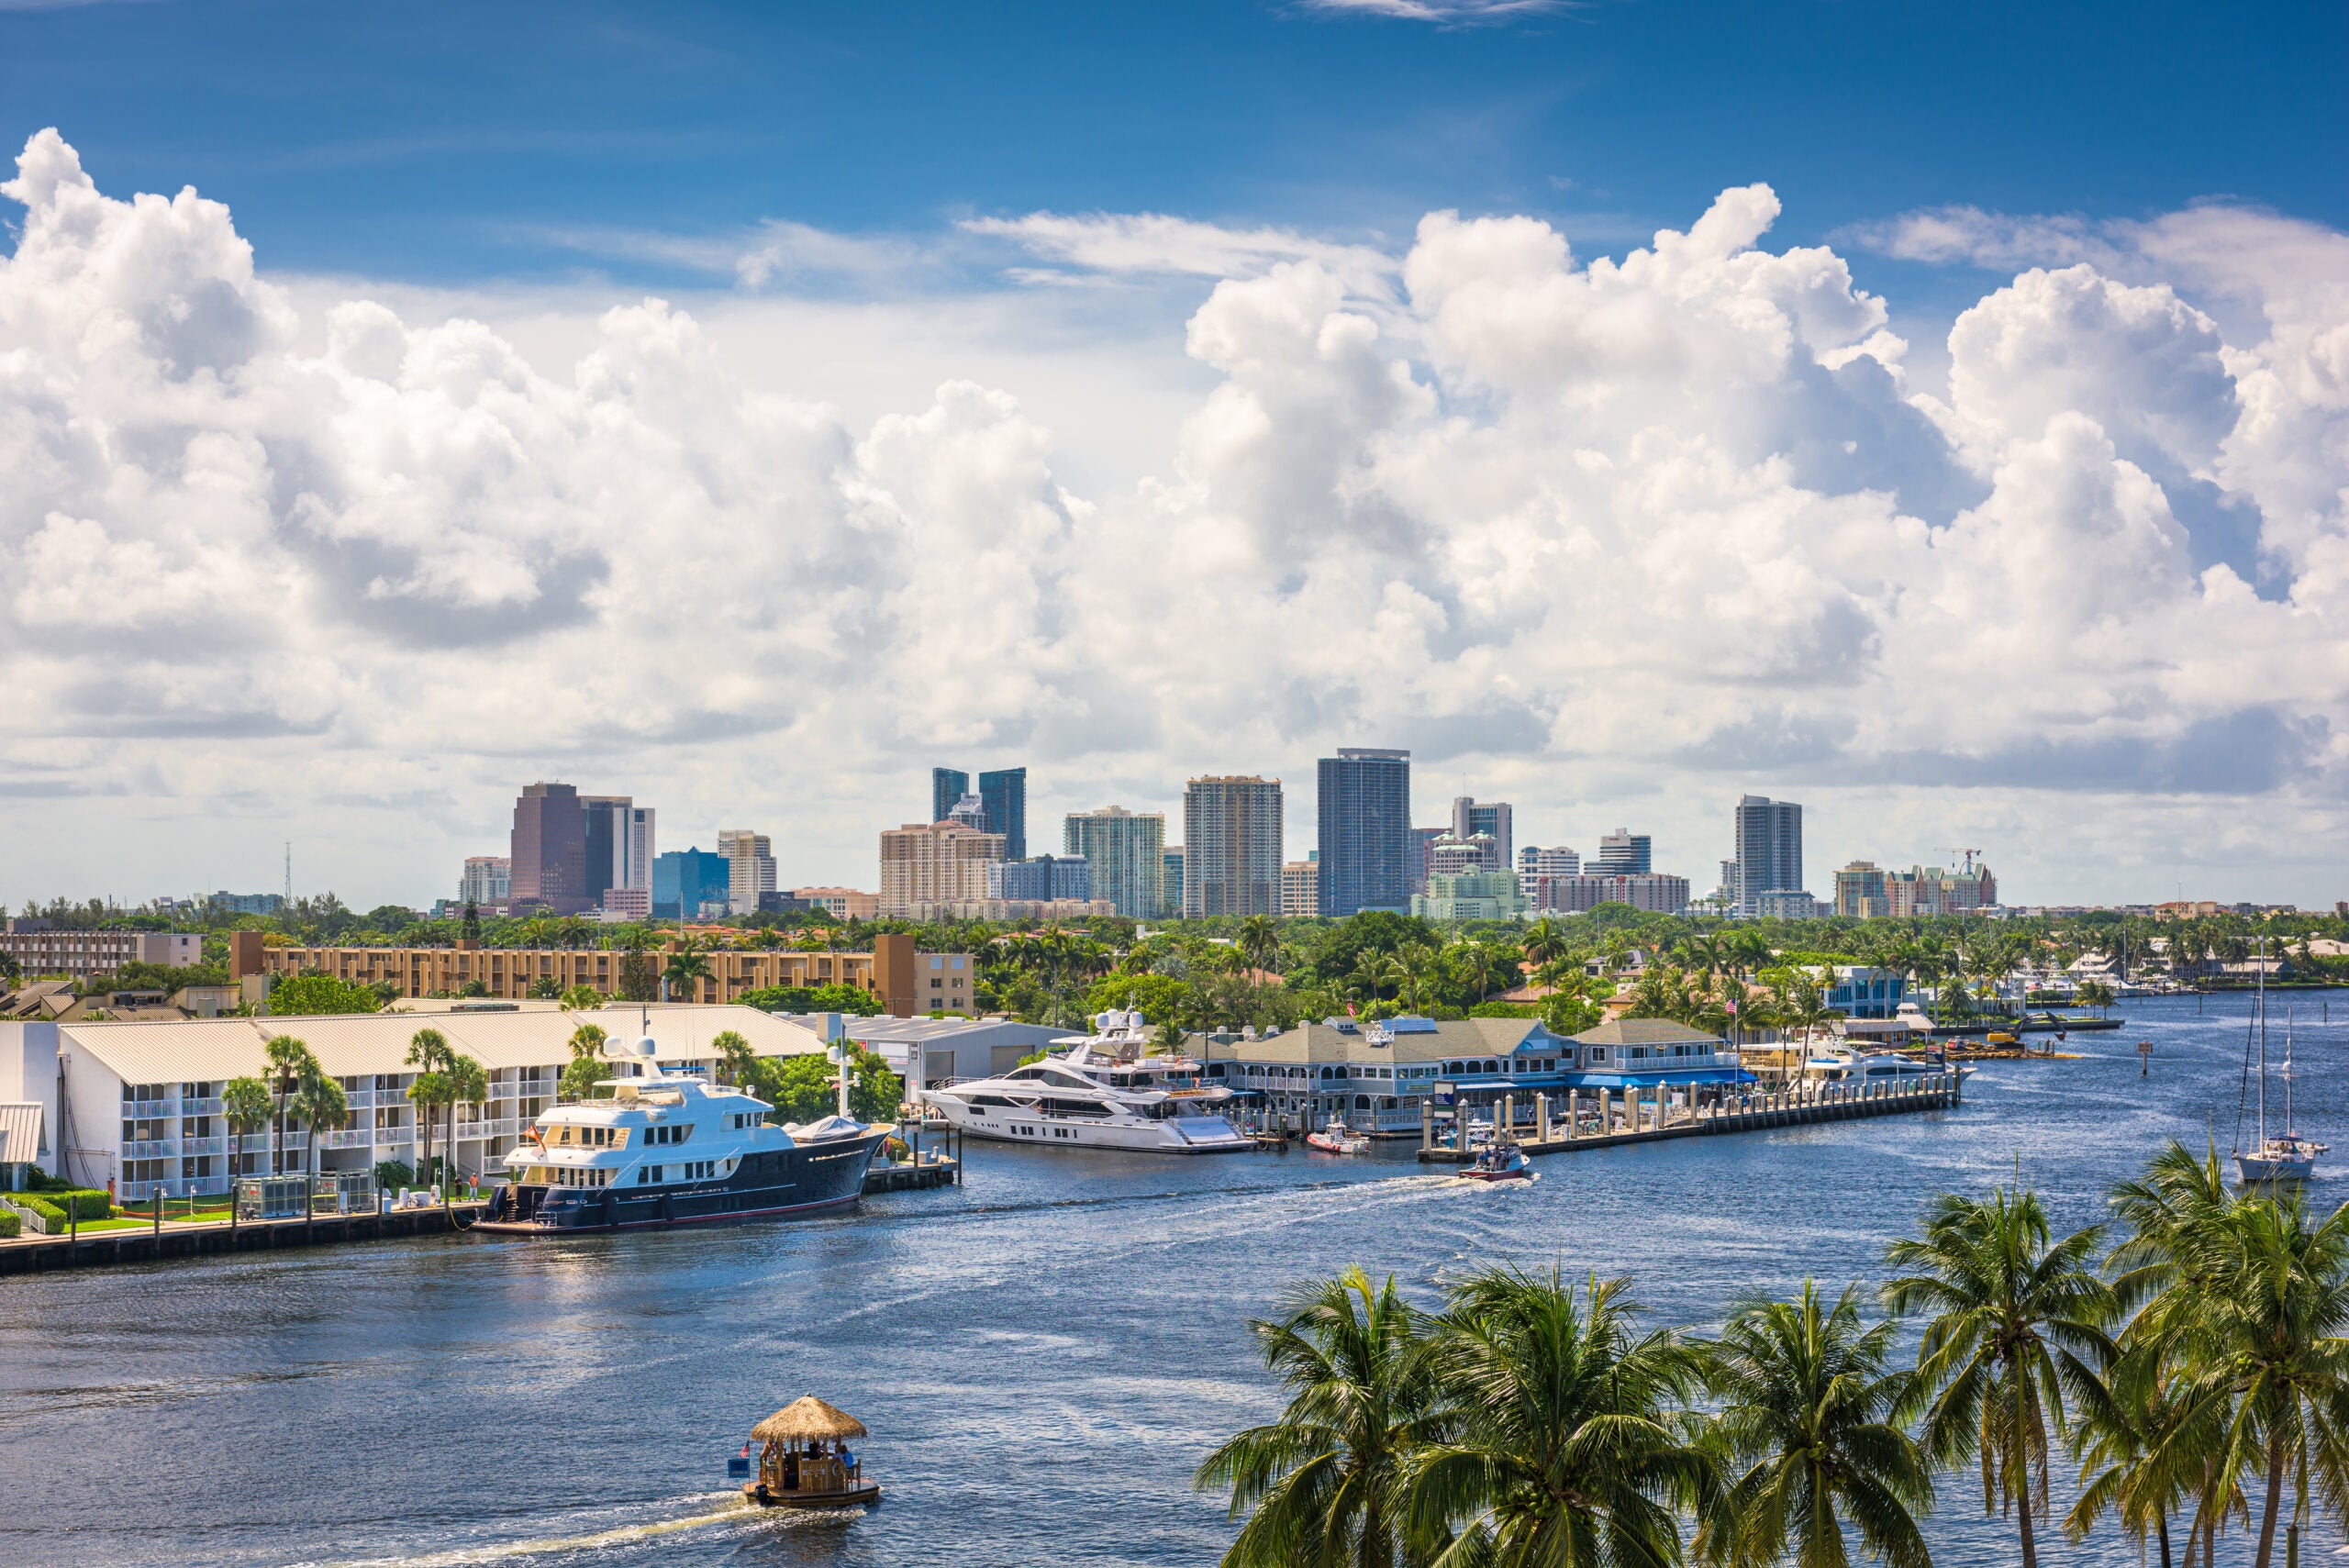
840 903
1231 843
935 862
889 972
1300 889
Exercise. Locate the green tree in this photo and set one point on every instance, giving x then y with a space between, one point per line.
587 1067
737 1062
2015 1323
468 1086
639 978
1557 1438
1326 1483
1260 941
287 1059
582 998
805 1087
1544 943
1806 1428
688 967
247 1106
321 1106
313 995
430 1052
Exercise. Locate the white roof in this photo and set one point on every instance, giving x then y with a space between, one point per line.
21 1130
204 1050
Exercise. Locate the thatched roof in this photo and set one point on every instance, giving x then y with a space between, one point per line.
807 1418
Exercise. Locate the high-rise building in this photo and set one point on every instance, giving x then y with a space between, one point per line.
840 903
947 786
970 811
1004 793
1040 879
487 879
1923 890
1476 894
1127 850
749 868
1652 893
1451 855
1622 854
1301 887
548 862
617 842
1231 843
935 862
1555 861
684 881
1171 880
1860 891
1494 819
1769 849
1364 829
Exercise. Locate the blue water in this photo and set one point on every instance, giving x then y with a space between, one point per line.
1043 1354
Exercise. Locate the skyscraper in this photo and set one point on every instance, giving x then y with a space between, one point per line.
1622 854
750 867
616 838
1364 831
947 786
1493 817
1005 794
1128 853
927 863
1172 890
488 879
1231 844
549 850
684 880
1769 849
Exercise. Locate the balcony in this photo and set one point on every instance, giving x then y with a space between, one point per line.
210 1107
202 1145
349 1138
151 1149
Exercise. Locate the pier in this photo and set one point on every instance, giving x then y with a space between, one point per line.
1645 1116
145 1244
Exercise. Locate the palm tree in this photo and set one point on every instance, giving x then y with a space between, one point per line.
430 1052
1555 1440
735 1058
246 1105
1808 1407
1544 943
322 1106
688 967
587 1068
2133 1461
468 1083
1324 1484
1260 941
286 1056
2017 1324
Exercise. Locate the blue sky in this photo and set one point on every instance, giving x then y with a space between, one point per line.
435 142
1929 413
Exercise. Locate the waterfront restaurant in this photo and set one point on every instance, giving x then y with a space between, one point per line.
1377 1075
142 1104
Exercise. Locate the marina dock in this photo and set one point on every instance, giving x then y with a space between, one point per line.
1646 1118
144 1245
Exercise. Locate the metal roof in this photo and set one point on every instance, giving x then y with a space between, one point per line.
205 1049
1645 1031
24 1132
1322 1043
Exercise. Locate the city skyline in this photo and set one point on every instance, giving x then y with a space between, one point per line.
1435 383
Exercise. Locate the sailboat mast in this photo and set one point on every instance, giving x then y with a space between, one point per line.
2262 1043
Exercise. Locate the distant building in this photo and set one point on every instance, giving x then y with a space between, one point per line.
1471 895
1622 853
947 786
1171 880
1231 841
627 902
1451 854
1422 843
1769 849
1860 891
1557 860
839 903
684 881
1364 829
1004 791
1301 888
249 903
617 843
1494 819
1786 903
487 879
1922 890
42 952
1127 852
750 867
548 861
1653 893
935 862
1042 878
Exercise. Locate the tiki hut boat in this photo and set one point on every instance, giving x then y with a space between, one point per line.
807 1463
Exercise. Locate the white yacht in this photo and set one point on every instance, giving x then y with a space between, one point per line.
656 1147
1106 1092
1832 1062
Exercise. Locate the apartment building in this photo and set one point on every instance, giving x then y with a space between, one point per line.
1301 888
935 862
840 903
1231 841
750 861
1127 850
486 880
42 952
1655 892
142 1106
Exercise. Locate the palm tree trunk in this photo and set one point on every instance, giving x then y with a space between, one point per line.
2022 1488
2274 1499
2161 1532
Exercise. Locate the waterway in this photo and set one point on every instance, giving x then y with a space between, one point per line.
1043 1354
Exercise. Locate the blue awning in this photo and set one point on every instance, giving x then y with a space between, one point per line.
1674 1077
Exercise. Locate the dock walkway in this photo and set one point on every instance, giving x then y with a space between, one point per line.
38 1255
1648 1120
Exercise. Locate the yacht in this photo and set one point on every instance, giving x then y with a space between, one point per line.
1104 1092
2284 1156
1834 1062
660 1148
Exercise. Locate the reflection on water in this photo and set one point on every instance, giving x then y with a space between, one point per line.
1043 1354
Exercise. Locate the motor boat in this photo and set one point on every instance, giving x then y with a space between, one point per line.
1835 1062
1337 1138
1107 1090
1500 1163
657 1148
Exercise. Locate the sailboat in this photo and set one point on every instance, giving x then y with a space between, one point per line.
2286 1157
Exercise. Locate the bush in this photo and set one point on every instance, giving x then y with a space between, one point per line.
834 998
392 1174
10 1226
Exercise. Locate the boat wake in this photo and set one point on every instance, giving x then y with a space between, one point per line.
736 1511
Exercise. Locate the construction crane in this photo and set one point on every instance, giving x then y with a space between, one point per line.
1969 855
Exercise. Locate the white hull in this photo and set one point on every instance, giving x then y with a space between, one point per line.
2252 1170
1185 1135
